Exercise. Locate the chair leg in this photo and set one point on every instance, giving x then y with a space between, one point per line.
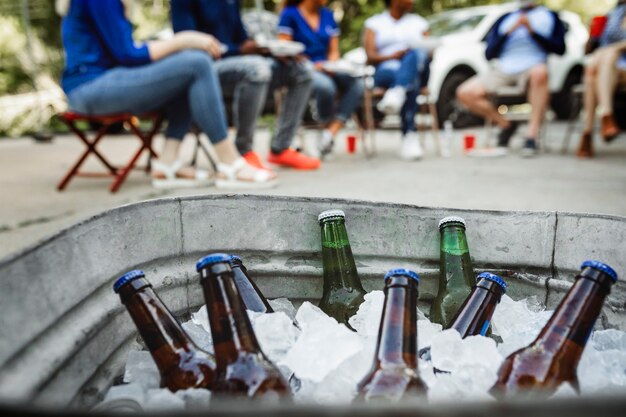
571 122
368 110
434 118
91 148
146 144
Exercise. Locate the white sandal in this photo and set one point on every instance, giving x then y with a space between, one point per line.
172 180
261 178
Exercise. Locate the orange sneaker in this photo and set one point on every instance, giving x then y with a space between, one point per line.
294 159
254 159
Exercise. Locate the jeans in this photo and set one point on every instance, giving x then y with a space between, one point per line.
247 78
325 88
408 73
183 84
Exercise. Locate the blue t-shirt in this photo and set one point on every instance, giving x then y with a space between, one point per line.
520 51
316 41
220 18
97 37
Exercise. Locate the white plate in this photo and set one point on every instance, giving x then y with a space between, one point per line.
279 47
342 67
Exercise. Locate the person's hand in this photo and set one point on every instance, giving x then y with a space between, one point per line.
399 54
523 21
190 39
250 46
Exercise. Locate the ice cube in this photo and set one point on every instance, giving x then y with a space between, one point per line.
195 399
285 306
367 319
426 331
517 324
445 350
199 336
141 369
201 318
163 400
276 334
322 345
610 339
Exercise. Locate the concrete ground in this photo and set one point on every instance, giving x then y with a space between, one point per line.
32 209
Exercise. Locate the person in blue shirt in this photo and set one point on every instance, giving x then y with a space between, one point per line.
245 73
309 22
522 41
106 72
603 73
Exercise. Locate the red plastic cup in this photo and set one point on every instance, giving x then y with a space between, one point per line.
468 142
351 142
597 26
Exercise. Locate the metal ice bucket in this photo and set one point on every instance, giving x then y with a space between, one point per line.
64 336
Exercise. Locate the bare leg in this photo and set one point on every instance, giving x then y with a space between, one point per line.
473 95
607 78
538 95
334 127
590 98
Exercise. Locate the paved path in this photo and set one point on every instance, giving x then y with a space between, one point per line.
32 209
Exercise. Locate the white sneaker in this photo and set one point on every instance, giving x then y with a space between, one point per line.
392 101
411 148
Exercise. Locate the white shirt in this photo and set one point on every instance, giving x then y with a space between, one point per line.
391 35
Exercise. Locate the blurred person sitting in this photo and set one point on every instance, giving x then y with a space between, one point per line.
309 22
245 73
389 41
106 72
521 40
605 70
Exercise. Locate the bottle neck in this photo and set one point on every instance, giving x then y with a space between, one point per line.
455 257
474 316
250 293
397 335
230 326
574 318
339 267
159 329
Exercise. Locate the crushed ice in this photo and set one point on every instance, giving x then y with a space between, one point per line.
329 360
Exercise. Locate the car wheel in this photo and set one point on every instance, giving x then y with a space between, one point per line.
448 108
563 101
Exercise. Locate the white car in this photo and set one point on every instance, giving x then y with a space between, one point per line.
461 54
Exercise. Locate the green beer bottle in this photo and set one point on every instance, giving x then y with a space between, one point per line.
456 276
343 292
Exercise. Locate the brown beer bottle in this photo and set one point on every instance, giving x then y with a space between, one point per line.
250 293
474 316
242 368
553 357
394 374
181 363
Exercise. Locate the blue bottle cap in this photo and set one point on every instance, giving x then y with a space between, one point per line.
493 277
234 258
600 266
211 259
404 272
127 277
